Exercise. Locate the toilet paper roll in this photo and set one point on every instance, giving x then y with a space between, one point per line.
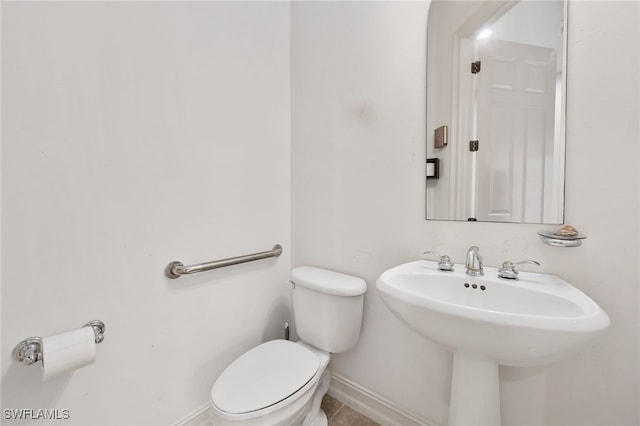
67 351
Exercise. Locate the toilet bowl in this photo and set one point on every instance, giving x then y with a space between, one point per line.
272 384
280 382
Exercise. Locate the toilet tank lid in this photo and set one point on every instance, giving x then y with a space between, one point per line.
330 282
264 376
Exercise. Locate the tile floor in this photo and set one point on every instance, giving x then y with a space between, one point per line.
342 415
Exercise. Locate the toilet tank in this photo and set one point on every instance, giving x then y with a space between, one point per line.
327 308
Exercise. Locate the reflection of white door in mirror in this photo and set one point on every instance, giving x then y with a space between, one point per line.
514 106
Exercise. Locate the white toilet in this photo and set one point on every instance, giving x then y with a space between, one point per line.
281 382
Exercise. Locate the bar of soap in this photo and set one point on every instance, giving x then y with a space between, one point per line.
567 231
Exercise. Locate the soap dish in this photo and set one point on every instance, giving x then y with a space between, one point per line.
560 241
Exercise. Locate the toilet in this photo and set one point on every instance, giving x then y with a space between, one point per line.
281 382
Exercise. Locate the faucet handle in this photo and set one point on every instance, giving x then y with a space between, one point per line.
508 268
444 261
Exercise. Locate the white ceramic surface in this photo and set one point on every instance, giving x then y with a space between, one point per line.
531 321
264 376
486 321
300 408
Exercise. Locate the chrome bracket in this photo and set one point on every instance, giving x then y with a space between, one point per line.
29 351
98 329
168 271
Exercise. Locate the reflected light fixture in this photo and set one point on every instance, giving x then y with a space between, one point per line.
486 33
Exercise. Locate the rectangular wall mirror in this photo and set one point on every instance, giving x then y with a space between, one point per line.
496 77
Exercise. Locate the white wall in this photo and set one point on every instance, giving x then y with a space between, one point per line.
134 134
358 109
138 133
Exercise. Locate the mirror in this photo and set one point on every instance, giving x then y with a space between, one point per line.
496 111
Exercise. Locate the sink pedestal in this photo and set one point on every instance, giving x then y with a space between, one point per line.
475 394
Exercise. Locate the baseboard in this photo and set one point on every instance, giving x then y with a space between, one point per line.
372 405
199 417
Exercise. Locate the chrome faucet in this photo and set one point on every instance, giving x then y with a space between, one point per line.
508 269
444 262
474 262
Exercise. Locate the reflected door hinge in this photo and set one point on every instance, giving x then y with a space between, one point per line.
473 146
475 67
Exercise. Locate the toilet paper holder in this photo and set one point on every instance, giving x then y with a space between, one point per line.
29 351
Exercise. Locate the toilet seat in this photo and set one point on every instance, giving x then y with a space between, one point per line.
264 376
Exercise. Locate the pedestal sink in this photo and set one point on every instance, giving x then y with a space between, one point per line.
487 321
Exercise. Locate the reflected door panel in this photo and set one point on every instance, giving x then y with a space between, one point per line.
516 103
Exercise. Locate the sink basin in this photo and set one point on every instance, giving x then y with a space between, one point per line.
531 321
486 321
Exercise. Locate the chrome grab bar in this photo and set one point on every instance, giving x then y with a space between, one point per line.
176 269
